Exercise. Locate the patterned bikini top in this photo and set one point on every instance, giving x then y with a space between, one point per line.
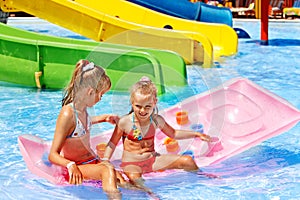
79 129
136 135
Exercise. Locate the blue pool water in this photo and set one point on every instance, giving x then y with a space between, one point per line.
269 170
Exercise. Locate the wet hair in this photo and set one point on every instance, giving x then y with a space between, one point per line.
145 87
86 74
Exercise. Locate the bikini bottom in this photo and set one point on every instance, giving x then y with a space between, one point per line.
145 165
89 161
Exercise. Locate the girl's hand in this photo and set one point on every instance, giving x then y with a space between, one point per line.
113 119
75 176
204 137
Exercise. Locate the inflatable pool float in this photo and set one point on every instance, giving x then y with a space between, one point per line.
237 115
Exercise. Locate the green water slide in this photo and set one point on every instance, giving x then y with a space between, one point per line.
38 60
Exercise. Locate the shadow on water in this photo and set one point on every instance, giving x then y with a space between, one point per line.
278 42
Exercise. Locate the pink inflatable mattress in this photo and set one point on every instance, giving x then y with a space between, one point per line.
238 115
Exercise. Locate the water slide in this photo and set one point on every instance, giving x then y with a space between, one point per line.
124 22
223 37
185 9
38 60
197 11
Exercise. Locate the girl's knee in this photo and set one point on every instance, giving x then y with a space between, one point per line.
133 176
107 168
187 159
107 164
188 162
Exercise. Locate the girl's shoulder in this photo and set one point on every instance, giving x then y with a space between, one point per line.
157 117
125 119
125 123
158 120
67 111
66 117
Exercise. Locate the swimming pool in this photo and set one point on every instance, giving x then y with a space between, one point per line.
269 170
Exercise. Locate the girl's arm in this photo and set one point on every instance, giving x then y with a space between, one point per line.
184 134
113 119
113 142
178 134
64 126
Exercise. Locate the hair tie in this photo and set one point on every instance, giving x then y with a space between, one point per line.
145 78
89 66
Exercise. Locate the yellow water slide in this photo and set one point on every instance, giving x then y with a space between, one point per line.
223 37
87 19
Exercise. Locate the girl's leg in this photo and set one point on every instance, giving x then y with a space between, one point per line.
170 161
103 171
134 173
120 179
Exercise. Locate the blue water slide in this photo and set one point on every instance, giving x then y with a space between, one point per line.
187 10
214 14
193 11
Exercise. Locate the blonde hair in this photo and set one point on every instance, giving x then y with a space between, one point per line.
86 74
145 87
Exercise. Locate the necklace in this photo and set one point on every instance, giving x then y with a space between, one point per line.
137 133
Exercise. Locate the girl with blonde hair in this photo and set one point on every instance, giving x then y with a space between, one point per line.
71 144
137 129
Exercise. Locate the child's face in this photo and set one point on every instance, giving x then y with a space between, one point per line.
95 96
143 106
98 95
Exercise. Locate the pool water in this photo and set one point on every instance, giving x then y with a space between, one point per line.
269 170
